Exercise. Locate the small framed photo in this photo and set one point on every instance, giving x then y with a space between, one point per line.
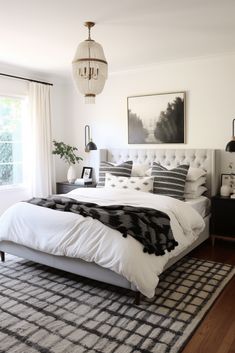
86 173
226 179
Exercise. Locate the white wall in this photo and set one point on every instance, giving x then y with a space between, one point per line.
210 103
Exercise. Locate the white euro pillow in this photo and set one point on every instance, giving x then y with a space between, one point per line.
195 194
138 170
133 183
192 186
195 173
148 172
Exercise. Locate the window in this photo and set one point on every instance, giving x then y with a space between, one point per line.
12 121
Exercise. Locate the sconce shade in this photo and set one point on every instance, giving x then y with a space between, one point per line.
90 68
230 147
89 144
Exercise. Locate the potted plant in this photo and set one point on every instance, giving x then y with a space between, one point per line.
68 154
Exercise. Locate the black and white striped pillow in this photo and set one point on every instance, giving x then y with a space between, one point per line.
169 182
123 170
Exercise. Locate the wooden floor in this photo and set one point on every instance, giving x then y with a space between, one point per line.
216 333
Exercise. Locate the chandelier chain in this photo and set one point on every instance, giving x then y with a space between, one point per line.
89 33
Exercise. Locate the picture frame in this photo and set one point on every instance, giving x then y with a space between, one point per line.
86 173
227 179
156 118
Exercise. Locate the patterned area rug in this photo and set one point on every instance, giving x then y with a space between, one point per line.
50 311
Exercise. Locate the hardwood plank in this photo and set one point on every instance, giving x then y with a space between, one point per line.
223 251
216 333
232 348
228 340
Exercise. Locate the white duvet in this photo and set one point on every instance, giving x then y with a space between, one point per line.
68 234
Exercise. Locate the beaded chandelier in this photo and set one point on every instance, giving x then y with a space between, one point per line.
90 68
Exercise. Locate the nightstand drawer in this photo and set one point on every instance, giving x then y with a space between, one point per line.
63 188
223 216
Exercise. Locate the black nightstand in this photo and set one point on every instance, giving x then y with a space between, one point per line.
222 218
63 187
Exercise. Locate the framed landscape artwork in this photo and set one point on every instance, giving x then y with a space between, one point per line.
156 118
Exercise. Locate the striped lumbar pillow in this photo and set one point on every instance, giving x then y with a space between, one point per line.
169 182
123 169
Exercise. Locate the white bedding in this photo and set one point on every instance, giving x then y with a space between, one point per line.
68 234
201 204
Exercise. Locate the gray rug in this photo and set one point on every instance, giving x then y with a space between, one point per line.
50 311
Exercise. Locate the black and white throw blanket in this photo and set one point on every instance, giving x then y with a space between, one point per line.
149 226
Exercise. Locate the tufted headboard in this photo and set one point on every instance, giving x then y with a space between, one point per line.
170 158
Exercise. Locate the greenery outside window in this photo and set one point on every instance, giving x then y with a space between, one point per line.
12 123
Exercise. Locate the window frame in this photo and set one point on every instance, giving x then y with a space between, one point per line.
25 120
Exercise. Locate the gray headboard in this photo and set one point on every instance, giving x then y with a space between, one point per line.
203 158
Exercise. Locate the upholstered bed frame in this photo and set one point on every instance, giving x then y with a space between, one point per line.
170 158
203 158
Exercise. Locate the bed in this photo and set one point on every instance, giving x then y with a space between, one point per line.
203 158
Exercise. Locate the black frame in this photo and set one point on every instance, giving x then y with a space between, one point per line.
221 178
83 172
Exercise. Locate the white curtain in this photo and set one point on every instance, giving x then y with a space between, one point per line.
40 110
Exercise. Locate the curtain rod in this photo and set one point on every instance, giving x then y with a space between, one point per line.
26 79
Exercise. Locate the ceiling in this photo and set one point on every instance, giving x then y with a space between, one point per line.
42 35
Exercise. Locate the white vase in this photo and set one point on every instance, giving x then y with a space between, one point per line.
71 174
225 190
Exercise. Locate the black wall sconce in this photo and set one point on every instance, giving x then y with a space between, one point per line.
89 144
231 144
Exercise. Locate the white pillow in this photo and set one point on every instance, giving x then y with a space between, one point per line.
132 183
192 186
138 170
195 174
195 194
148 172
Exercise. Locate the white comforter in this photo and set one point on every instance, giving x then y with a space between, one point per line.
68 234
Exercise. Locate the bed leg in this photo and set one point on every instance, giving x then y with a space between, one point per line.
213 240
2 254
137 298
